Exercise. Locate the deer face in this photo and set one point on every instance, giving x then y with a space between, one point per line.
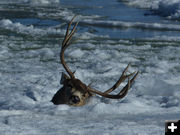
73 92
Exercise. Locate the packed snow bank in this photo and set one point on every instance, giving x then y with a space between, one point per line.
168 8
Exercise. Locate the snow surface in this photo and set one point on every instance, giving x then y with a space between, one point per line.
30 74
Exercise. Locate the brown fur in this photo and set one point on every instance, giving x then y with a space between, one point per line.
71 87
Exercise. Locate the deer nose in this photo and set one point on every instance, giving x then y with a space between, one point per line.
75 99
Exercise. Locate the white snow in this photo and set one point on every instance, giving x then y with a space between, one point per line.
28 85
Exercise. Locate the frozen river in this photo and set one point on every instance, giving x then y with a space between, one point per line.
110 34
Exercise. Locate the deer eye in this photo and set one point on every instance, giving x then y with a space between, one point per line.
70 86
75 99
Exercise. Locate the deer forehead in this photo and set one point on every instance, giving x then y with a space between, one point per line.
77 84
77 93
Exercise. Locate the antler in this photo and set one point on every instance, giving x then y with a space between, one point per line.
65 44
124 91
121 94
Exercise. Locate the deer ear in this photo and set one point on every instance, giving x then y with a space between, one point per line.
63 78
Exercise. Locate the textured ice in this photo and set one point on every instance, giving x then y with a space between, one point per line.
20 28
155 26
34 78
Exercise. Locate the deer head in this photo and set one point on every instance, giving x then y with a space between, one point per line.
74 92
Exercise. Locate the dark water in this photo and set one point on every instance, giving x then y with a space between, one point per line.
102 10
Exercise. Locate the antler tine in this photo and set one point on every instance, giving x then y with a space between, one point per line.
70 36
121 94
67 31
104 94
121 79
124 91
65 44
